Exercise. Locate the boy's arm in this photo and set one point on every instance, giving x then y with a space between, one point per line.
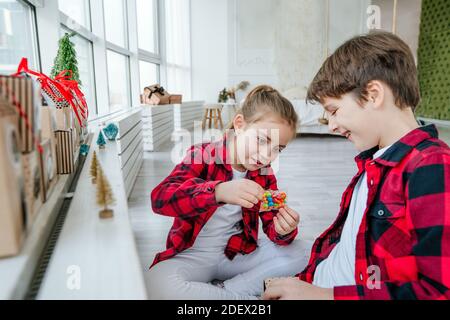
183 193
267 220
428 205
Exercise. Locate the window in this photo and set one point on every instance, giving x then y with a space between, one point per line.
79 11
86 70
17 35
118 81
147 21
178 47
149 74
115 22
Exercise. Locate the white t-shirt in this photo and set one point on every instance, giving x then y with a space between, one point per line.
339 268
222 225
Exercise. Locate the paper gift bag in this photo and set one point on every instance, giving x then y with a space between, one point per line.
156 95
48 122
48 168
33 186
12 213
81 133
24 94
64 118
65 160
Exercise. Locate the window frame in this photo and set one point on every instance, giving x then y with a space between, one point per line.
95 32
32 16
87 35
156 33
148 56
128 80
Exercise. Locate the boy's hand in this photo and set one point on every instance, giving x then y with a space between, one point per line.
295 289
286 221
244 193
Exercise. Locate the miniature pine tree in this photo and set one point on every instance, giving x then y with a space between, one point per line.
94 168
101 142
66 58
105 197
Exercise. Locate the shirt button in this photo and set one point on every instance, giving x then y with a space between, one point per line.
381 213
361 276
371 182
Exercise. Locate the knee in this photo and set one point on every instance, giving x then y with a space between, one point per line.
163 285
158 284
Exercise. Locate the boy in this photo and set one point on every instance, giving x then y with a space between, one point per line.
391 239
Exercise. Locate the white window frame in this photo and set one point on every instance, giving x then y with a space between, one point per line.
84 33
155 57
96 34
31 4
165 63
125 51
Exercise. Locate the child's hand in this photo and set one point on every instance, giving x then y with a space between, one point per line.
286 221
244 193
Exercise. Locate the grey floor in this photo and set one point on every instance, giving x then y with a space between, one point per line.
313 170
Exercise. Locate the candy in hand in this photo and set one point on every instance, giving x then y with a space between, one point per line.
273 200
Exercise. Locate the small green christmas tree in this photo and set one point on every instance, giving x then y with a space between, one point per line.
66 59
101 142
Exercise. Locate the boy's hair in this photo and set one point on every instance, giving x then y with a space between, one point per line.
263 100
376 56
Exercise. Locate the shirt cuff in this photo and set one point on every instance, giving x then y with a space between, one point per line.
209 189
288 236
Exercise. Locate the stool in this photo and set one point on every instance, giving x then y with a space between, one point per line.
213 112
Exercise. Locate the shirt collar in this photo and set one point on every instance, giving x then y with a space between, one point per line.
399 150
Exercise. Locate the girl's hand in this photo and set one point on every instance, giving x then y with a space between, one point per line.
286 221
244 193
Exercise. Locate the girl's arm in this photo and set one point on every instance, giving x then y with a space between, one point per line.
184 193
267 219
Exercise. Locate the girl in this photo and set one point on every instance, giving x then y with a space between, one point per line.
214 196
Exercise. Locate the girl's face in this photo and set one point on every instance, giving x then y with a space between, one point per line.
258 144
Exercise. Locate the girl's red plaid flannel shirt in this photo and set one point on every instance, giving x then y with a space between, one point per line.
188 195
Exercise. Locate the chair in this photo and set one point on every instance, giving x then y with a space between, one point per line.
213 112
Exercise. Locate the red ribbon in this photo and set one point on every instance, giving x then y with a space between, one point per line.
64 77
61 80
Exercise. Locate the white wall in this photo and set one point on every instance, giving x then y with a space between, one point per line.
408 20
209 48
277 42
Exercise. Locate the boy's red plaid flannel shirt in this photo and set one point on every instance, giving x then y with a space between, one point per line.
405 233
188 195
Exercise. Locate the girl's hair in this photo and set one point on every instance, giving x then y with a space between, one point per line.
263 100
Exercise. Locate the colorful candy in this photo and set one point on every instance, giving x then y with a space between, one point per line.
273 200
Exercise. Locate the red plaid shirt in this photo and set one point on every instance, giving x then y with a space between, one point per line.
188 195
405 232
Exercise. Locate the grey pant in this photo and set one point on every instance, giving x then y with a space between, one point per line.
186 276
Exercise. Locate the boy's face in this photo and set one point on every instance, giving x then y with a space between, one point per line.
355 122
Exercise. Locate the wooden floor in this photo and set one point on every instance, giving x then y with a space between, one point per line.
314 172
